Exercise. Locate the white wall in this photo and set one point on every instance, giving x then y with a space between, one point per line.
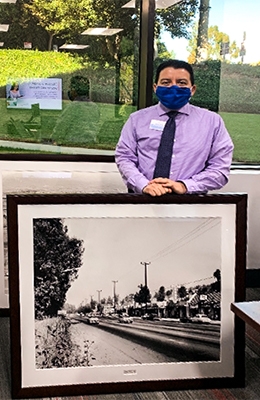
248 181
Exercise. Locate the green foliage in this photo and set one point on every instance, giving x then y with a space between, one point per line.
215 38
61 17
57 259
78 124
35 64
227 87
176 19
207 80
23 27
245 132
240 88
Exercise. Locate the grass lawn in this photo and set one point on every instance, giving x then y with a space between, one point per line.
98 125
245 132
79 124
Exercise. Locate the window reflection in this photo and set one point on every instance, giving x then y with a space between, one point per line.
101 45
91 49
220 42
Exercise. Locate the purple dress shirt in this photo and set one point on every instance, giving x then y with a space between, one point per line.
202 149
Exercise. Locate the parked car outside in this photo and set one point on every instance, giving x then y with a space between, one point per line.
201 319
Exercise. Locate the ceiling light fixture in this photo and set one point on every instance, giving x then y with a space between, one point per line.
71 46
101 31
4 28
159 4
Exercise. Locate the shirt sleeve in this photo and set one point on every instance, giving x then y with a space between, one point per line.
217 167
126 157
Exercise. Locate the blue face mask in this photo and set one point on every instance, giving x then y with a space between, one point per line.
173 97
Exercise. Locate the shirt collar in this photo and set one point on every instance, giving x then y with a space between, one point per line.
164 110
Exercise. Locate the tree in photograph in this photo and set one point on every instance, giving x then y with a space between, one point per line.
57 260
182 292
143 296
203 289
84 308
93 304
70 308
160 295
216 286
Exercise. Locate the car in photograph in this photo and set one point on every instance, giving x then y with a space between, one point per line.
151 317
110 316
201 319
125 319
92 320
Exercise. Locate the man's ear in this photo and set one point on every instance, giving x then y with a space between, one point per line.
193 89
154 87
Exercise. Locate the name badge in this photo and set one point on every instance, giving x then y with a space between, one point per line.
157 125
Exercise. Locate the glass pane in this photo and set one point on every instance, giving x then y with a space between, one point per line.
70 72
219 37
239 102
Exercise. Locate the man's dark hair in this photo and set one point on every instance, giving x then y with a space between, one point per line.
176 64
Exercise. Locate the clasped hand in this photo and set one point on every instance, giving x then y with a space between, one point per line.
161 186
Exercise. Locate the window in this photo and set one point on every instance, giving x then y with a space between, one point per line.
71 84
220 40
72 87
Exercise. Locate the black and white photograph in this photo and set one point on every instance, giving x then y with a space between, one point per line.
123 292
127 291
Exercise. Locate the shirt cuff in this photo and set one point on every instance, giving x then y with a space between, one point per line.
191 186
140 184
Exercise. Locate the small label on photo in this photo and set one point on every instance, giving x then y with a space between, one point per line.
130 372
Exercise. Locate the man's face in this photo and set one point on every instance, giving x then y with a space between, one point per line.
170 76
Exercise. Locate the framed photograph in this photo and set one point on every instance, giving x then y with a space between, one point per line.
119 293
74 174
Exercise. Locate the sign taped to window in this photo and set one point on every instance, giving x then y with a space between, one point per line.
47 92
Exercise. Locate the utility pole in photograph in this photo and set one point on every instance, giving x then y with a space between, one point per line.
99 291
145 264
114 282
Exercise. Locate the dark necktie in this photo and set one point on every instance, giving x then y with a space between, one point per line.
164 156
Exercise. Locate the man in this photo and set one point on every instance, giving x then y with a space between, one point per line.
202 148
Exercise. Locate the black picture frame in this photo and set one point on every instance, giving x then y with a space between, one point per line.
209 226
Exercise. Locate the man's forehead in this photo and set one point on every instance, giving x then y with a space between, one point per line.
176 72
